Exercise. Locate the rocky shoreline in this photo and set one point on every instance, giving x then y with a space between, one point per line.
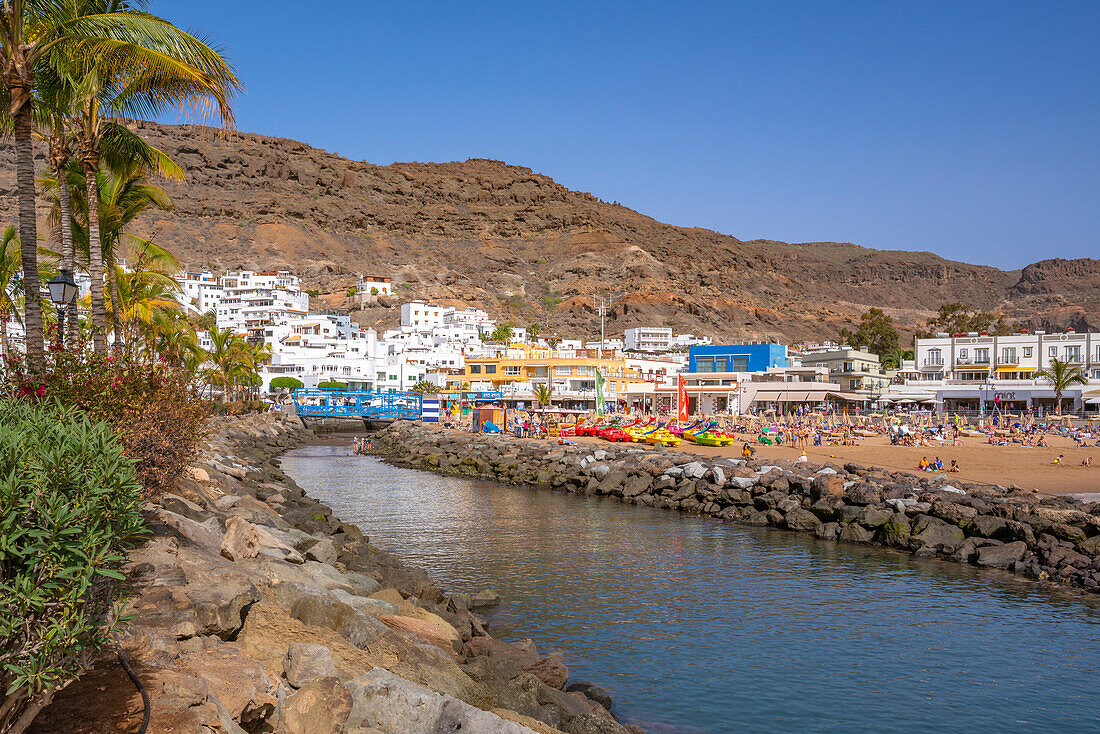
255 610
1055 539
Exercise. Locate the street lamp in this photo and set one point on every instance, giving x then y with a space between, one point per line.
63 291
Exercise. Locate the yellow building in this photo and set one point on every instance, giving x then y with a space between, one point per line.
572 375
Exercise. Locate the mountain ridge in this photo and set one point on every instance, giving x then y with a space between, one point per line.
500 236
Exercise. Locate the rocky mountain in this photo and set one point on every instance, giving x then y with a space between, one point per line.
499 236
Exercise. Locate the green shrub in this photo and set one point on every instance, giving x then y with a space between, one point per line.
351 292
373 290
69 507
286 383
153 407
332 385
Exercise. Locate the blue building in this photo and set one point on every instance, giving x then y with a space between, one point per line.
737 358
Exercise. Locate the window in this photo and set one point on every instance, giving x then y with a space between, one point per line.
1027 351
512 370
739 364
563 370
962 354
704 365
1073 354
540 372
1008 355
587 370
935 356
1053 351
847 367
490 369
475 369
981 355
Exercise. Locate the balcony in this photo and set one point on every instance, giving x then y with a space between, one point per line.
932 364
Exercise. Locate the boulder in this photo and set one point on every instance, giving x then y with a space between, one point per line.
551 671
323 551
241 540
895 531
1001 556
393 705
802 520
694 470
593 692
321 706
827 485
874 517
933 534
863 493
988 526
856 533
305 661
954 513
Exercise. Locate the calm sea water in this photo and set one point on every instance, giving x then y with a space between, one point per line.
699 626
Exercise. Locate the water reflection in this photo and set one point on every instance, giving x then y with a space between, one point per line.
699 626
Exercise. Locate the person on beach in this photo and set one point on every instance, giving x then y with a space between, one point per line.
1087 461
937 464
1058 460
954 467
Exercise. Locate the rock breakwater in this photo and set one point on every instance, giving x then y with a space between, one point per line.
255 610
1048 538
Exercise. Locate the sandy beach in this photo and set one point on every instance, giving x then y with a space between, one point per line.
1026 467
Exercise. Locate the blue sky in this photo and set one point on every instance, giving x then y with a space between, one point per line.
966 128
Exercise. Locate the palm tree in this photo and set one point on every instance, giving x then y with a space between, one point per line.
543 394
9 267
55 113
893 358
423 387
165 68
503 334
137 300
1062 376
124 194
222 357
35 31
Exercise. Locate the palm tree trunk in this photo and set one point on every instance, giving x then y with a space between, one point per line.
68 252
4 337
95 260
28 238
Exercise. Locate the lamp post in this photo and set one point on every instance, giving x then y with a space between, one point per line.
63 291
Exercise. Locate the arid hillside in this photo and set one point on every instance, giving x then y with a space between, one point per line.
502 237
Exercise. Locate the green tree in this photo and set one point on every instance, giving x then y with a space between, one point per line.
892 360
149 51
502 333
286 383
332 385
162 67
424 387
533 332
1062 376
876 332
960 318
544 394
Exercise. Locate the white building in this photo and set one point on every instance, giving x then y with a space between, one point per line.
982 373
647 339
660 339
421 316
373 285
